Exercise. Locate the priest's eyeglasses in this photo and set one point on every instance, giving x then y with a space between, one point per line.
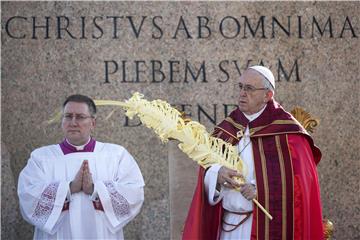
78 117
248 88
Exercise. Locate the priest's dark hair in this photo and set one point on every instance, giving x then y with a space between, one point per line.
82 99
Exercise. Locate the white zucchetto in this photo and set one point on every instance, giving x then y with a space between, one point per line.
266 73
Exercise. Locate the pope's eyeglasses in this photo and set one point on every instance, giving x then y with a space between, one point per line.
248 88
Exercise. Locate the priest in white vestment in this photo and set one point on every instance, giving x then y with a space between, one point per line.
81 188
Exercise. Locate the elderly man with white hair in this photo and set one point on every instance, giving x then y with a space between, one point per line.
280 159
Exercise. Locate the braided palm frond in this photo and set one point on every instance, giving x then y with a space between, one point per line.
167 123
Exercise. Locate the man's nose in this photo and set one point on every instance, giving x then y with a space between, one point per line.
73 120
242 92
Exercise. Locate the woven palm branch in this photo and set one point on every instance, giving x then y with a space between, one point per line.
167 122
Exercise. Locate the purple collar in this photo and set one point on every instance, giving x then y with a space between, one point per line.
67 148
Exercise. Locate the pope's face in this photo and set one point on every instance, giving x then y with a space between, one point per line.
252 101
77 123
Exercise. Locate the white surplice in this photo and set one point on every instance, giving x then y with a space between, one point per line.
44 187
233 200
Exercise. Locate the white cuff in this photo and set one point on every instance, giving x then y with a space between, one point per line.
210 182
253 182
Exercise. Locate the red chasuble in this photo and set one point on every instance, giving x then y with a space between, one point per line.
285 159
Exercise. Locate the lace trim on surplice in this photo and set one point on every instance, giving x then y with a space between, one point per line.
45 205
119 203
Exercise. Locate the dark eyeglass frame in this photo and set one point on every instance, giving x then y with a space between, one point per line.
78 117
249 88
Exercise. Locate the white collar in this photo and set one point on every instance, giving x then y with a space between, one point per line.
79 148
254 116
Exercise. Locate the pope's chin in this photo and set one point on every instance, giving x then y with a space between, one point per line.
242 106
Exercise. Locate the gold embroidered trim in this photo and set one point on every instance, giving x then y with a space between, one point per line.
227 132
266 185
278 122
292 176
277 133
237 125
283 186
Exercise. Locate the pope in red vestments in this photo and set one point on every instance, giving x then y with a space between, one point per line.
284 163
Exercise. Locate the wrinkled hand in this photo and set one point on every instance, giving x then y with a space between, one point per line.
87 182
248 190
226 177
76 184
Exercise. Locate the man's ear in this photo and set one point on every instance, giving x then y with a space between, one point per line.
94 123
269 95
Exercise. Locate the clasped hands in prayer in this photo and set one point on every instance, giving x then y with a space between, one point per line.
226 178
83 180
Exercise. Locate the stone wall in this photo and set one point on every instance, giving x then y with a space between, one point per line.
190 54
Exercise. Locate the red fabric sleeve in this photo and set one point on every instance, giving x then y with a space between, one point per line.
306 188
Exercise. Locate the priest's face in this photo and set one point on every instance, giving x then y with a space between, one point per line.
253 95
77 123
